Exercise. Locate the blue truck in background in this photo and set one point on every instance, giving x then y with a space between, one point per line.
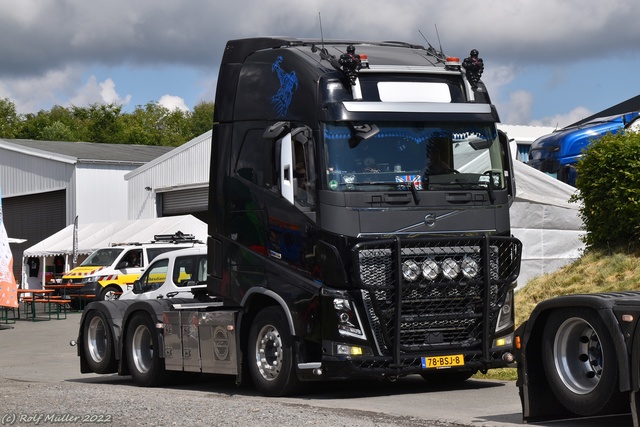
557 153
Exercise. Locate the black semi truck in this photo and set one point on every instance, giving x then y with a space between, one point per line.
359 227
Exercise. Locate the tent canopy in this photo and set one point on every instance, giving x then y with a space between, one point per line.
549 227
94 236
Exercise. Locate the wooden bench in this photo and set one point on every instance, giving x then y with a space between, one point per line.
53 300
61 307
81 299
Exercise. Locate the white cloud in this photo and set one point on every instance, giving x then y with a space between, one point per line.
562 120
518 110
171 102
57 39
34 93
94 92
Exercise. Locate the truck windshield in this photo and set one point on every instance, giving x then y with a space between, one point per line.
450 155
102 257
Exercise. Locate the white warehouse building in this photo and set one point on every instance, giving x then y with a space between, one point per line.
175 183
46 184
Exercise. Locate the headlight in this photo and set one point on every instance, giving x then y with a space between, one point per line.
505 315
410 270
430 269
450 268
348 320
469 267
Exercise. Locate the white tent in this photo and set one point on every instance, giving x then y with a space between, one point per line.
94 236
547 224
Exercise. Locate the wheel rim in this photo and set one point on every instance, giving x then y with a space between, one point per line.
578 355
269 352
142 349
110 295
97 339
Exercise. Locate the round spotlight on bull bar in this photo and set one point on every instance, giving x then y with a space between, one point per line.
430 269
410 270
450 268
469 267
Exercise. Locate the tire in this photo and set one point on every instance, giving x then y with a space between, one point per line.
271 355
143 352
580 363
108 293
98 343
447 376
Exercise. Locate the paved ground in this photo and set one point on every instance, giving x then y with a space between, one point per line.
40 380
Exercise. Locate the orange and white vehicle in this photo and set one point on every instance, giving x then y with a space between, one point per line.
109 272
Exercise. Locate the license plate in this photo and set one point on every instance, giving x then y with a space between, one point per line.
443 361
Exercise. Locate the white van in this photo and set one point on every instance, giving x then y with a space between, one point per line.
108 272
172 274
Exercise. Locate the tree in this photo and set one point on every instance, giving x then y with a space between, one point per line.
151 124
609 189
9 120
202 118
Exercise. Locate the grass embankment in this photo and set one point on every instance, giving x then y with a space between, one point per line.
593 272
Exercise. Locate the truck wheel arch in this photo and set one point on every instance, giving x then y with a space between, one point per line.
531 332
113 313
263 294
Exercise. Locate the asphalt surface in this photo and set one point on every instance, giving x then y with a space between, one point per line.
41 384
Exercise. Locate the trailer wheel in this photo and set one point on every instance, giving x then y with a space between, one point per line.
580 362
109 293
271 354
143 352
98 343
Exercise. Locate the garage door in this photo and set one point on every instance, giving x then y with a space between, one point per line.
34 217
182 202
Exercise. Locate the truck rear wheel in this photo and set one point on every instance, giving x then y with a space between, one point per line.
98 343
580 362
271 354
143 352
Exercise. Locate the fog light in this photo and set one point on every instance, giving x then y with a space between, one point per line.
430 269
410 270
450 268
349 350
506 340
469 268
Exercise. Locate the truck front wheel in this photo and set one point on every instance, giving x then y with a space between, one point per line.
143 352
271 354
98 343
580 362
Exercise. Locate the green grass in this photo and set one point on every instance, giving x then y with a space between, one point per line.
593 272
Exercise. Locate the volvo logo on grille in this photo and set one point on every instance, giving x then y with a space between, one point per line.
430 220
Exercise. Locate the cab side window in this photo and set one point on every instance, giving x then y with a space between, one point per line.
155 276
185 270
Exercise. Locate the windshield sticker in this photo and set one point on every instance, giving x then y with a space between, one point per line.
415 179
288 85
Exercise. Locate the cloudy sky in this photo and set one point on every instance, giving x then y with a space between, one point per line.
547 62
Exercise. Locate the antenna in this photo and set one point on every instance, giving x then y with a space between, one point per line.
321 35
425 39
437 34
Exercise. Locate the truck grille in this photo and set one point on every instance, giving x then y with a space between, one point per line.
435 314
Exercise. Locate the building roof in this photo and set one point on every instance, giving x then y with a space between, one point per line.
631 104
87 152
